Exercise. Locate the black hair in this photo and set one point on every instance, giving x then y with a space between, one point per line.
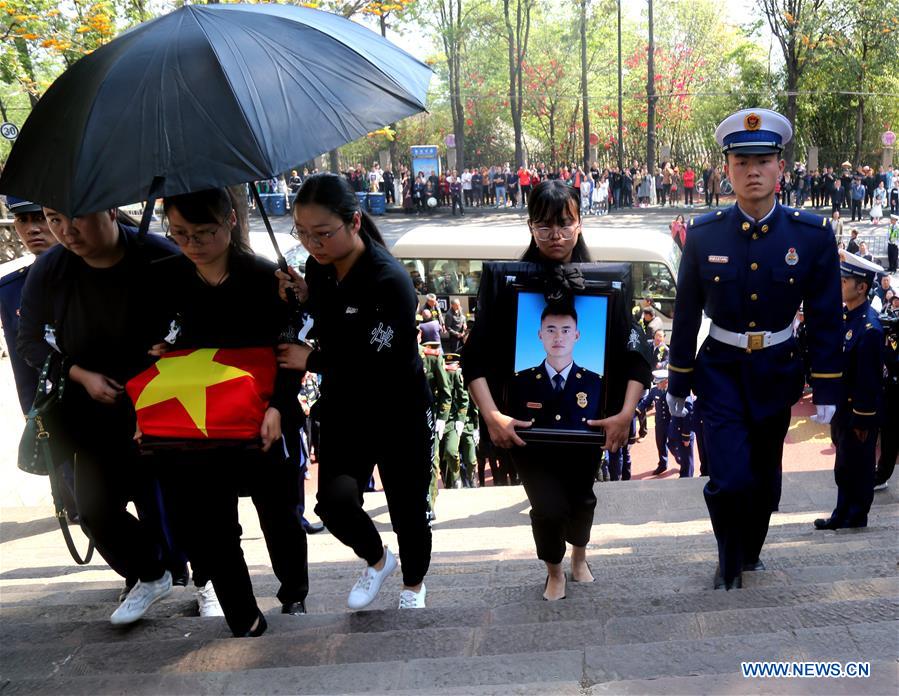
209 207
554 202
559 309
334 193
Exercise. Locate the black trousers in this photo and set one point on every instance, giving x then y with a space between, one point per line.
853 472
889 435
856 208
745 464
558 481
346 461
892 257
204 487
107 476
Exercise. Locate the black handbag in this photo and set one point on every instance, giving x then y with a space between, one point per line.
40 453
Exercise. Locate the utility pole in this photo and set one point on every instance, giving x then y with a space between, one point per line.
620 100
651 101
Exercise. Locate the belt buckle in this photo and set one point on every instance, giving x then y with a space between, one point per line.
756 341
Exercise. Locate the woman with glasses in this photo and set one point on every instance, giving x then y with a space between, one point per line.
363 305
558 478
222 296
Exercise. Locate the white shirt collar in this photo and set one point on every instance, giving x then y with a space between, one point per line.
764 217
550 370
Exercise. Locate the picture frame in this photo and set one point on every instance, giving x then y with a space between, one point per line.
560 351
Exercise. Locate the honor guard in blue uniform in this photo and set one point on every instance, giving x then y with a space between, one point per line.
31 226
855 424
748 268
557 393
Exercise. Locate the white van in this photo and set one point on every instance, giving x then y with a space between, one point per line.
447 260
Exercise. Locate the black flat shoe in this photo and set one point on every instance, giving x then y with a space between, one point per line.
755 565
259 630
294 608
659 470
546 584
829 523
313 527
720 583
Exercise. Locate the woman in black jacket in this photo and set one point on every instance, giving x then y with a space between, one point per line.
363 306
223 296
558 478
90 299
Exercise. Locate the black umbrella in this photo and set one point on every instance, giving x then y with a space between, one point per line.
208 96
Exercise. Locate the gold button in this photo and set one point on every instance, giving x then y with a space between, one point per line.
753 297
752 325
764 228
558 418
754 266
539 376
792 281
745 226
749 350
717 279
755 235
796 214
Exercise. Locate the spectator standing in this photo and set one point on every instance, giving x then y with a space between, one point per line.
836 224
466 187
852 247
499 186
893 243
524 185
837 195
477 187
455 187
878 203
512 187
456 326
689 186
857 195
713 188
679 231
389 187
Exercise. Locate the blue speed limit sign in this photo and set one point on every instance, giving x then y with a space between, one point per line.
9 131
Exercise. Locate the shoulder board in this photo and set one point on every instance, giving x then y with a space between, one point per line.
701 220
18 274
806 218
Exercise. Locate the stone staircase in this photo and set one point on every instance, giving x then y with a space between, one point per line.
650 624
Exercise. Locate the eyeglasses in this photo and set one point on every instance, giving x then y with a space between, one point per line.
544 233
200 238
314 238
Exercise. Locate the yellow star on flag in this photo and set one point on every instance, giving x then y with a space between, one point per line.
186 378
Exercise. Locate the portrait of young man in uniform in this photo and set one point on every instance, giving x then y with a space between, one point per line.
748 268
558 393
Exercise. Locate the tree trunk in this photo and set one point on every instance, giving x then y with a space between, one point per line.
334 160
242 209
392 143
620 100
651 100
789 153
517 39
585 102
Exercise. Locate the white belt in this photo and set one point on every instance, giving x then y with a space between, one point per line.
753 340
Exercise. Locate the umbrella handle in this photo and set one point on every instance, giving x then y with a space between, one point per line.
282 263
147 216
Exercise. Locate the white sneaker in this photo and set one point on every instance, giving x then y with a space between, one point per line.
141 598
208 601
366 588
413 600
881 486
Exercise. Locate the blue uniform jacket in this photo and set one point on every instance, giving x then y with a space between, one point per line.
10 301
751 276
656 396
531 397
863 368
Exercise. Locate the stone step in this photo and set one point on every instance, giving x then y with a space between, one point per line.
594 669
498 584
191 645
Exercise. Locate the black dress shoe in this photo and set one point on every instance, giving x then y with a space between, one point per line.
829 523
721 584
313 527
294 608
180 577
755 565
660 469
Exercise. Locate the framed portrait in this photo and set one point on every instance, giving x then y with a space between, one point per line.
559 380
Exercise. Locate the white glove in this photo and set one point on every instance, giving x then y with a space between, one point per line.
439 428
476 435
459 426
824 414
676 405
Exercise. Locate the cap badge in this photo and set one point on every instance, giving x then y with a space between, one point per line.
792 258
849 334
752 122
581 399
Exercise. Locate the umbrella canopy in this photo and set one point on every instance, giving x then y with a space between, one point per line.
207 96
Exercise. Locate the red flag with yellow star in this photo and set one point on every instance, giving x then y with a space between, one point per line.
206 393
